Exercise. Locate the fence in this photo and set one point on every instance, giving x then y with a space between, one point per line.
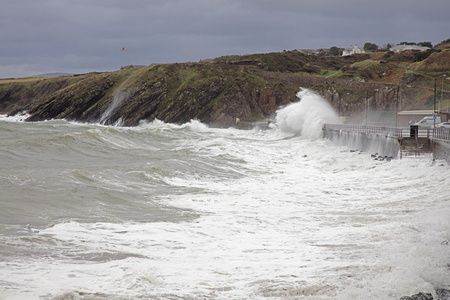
414 131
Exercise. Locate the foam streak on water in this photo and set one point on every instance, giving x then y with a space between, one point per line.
165 211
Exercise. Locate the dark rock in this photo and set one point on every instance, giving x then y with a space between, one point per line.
419 296
443 294
177 93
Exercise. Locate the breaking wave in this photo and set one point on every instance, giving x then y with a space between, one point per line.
307 116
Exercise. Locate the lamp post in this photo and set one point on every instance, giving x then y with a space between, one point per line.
367 103
442 91
447 99
434 114
396 107
339 109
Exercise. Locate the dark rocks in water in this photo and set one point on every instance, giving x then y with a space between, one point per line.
419 296
382 158
387 158
443 294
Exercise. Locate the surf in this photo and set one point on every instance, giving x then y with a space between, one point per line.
307 116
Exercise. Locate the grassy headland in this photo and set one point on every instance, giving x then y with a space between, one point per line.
250 87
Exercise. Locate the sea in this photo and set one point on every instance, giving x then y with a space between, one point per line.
188 211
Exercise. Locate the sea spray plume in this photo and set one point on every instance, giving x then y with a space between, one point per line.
118 99
307 116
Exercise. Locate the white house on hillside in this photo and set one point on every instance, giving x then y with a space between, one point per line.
352 50
400 48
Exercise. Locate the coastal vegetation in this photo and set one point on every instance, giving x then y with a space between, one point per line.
249 87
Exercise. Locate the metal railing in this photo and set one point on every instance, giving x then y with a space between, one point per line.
436 133
441 134
387 131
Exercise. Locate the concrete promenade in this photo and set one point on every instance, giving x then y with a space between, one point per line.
392 142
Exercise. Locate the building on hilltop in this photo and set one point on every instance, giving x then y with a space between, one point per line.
352 50
307 51
400 48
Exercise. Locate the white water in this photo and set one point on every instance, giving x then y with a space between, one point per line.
118 99
163 211
308 116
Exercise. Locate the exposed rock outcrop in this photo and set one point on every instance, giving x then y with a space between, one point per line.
213 94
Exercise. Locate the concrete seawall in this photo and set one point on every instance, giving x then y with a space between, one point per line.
370 143
390 142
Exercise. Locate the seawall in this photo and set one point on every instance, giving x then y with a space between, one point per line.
367 142
390 142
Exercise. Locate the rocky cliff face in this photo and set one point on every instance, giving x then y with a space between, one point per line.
214 94
250 88
18 94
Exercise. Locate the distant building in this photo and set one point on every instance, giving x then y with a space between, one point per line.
307 51
323 50
352 50
400 48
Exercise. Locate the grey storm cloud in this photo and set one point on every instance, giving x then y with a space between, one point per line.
84 35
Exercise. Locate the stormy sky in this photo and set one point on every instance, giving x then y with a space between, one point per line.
79 36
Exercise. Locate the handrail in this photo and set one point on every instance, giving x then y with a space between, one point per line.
436 133
387 131
441 134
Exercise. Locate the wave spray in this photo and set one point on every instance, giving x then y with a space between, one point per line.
307 116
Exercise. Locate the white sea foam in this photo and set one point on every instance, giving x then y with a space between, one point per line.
19 117
196 126
306 116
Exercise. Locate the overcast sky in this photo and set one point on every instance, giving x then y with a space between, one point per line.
79 36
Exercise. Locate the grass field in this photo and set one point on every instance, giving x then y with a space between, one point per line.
17 80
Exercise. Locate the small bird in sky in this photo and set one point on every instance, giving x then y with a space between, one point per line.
123 49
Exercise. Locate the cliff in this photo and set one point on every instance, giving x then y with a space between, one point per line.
176 93
250 87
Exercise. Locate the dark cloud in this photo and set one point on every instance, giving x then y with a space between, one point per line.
81 36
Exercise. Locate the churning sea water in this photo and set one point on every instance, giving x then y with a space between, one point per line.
163 211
